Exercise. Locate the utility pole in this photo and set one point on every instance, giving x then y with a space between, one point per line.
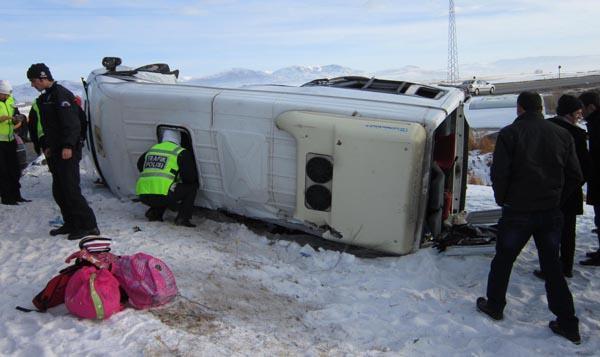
452 47
559 67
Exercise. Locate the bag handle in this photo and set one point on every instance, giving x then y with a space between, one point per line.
87 256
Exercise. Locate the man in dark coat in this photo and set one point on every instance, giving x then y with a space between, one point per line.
569 112
534 170
62 144
591 112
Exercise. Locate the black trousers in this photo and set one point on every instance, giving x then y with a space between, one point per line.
75 210
567 242
9 172
181 199
514 231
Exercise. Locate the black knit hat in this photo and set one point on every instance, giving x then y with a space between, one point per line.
530 101
39 71
590 98
568 104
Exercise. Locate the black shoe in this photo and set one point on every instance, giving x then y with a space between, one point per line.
482 306
21 199
568 274
572 336
154 214
184 222
64 229
83 233
591 261
595 230
593 254
539 274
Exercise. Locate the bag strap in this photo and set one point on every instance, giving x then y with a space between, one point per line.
24 309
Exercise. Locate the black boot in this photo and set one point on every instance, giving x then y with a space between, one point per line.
572 336
155 214
80 233
185 222
64 229
21 199
595 253
595 261
483 306
539 274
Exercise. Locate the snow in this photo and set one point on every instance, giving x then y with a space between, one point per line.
243 293
479 167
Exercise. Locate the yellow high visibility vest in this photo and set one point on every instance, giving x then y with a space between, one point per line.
160 169
7 127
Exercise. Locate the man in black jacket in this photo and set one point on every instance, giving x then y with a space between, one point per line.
62 146
569 113
534 169
591 112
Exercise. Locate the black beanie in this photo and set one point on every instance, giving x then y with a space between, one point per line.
530 101
39 71
568 104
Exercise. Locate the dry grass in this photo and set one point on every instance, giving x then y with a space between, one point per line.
483 143
474 180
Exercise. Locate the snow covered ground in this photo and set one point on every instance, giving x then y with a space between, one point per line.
245 294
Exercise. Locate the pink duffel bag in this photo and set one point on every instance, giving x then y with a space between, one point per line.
93 293
147 280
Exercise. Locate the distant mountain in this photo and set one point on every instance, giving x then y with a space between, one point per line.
235 77
412 73
25 93
570 65
294 75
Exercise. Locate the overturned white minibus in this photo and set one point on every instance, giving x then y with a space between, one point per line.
374 163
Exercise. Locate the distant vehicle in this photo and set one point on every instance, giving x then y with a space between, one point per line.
478 86
374 163
492 112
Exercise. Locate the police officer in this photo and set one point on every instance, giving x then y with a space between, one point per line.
61 144
9 165
168 178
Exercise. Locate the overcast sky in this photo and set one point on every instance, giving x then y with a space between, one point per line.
204 37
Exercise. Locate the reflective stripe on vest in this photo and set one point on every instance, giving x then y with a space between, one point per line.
39 129
7 127
160 169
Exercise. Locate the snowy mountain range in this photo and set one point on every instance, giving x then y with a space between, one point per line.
506 69
25 93
294 75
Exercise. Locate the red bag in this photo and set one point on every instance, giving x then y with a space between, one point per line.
54 292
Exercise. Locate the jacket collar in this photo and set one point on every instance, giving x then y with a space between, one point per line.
530 116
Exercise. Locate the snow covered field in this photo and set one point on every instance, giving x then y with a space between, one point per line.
244 294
